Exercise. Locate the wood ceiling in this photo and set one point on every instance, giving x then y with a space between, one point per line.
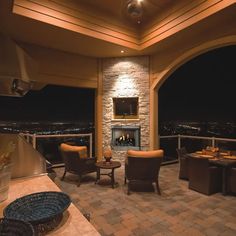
118 9
102 28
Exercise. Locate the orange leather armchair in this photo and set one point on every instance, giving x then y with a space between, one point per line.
143 166
76 160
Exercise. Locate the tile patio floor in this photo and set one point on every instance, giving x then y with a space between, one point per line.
178 211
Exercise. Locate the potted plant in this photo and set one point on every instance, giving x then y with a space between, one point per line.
5 169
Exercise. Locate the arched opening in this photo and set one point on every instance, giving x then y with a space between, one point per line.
160 78
198 100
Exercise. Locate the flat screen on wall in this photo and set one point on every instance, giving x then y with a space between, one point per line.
125 108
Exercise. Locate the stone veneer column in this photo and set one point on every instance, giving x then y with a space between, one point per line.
126 77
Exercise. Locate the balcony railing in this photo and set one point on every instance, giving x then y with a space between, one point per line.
192 143
169 143
47 144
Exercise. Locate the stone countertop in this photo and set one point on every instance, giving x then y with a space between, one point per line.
73 222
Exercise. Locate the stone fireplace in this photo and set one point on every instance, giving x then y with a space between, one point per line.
126 77
125 137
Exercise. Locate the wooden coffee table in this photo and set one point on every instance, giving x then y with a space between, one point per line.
111 165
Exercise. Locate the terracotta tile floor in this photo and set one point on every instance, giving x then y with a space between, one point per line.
178 211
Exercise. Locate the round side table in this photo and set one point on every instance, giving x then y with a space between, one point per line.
111 165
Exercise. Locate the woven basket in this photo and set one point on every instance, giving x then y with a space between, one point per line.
12 227
38 208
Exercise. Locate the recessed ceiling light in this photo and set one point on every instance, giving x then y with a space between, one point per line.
139 21
139 1
122 51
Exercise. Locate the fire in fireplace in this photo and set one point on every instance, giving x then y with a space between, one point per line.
125 140
125 137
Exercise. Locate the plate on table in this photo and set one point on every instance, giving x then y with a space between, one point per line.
207 156
230 157
223 153
38 208
198 152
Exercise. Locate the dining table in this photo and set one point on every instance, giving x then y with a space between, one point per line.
221 159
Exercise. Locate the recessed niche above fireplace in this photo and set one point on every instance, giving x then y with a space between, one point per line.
125 108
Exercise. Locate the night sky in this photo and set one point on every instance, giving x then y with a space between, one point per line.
202 89
52 103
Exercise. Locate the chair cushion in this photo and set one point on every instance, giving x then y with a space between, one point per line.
82 150
148 154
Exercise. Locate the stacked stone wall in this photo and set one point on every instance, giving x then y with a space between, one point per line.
126 77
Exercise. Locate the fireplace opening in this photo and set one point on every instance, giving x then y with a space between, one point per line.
125 137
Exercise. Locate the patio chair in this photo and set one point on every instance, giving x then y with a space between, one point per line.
143 166
231 180
183 163
233 152
204 177
76 160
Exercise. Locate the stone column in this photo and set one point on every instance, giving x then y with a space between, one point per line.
126 77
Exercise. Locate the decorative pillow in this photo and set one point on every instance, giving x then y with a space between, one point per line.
82 150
